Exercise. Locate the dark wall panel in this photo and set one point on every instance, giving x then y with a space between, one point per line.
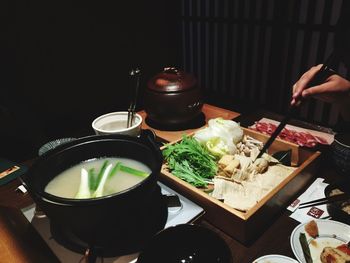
249 53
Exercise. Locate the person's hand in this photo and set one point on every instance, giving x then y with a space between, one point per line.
335 88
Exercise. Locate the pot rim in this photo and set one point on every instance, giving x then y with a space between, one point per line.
342 139
342 144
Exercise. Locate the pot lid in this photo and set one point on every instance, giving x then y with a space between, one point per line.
172 80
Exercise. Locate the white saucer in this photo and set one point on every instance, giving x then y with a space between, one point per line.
275 259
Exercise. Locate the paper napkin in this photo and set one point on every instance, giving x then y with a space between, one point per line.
315 191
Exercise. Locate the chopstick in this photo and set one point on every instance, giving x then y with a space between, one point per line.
135 76
326 200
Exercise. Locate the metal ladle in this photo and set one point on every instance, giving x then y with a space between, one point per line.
135 83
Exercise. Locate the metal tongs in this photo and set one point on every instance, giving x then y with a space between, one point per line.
135 83
321 75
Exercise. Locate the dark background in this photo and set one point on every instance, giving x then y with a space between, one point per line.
63 63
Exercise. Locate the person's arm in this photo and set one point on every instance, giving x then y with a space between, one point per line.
334 89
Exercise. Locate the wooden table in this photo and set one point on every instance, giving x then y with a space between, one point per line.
275 240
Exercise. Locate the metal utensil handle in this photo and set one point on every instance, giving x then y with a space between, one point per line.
135 83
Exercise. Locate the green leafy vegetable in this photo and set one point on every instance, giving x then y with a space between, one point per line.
96 179
190 161
220 137
92 179
133 171
185 172
115 169
102 182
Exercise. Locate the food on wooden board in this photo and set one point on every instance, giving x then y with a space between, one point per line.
240 180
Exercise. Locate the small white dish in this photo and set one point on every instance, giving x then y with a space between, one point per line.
274 258
116 123
331 234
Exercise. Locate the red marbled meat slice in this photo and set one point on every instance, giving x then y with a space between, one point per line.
321 140
300 138
262 127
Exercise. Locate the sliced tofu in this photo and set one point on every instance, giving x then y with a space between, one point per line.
230 168
225 160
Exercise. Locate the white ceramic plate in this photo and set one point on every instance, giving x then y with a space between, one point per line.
275 259
331 234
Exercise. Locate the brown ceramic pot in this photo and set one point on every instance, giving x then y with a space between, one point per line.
172 97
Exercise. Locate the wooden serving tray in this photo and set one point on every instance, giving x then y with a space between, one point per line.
247 226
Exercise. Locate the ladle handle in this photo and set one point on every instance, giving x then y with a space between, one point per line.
89 256
135 83
151 136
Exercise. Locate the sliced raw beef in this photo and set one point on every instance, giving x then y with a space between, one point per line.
298 137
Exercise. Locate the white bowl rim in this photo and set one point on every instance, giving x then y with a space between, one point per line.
342 144
275 256
138 122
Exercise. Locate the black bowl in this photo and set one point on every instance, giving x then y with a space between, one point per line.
335 209
122 222
340 153
186 243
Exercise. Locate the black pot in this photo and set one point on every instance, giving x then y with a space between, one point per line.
186 243
340 153
122 222
335 209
